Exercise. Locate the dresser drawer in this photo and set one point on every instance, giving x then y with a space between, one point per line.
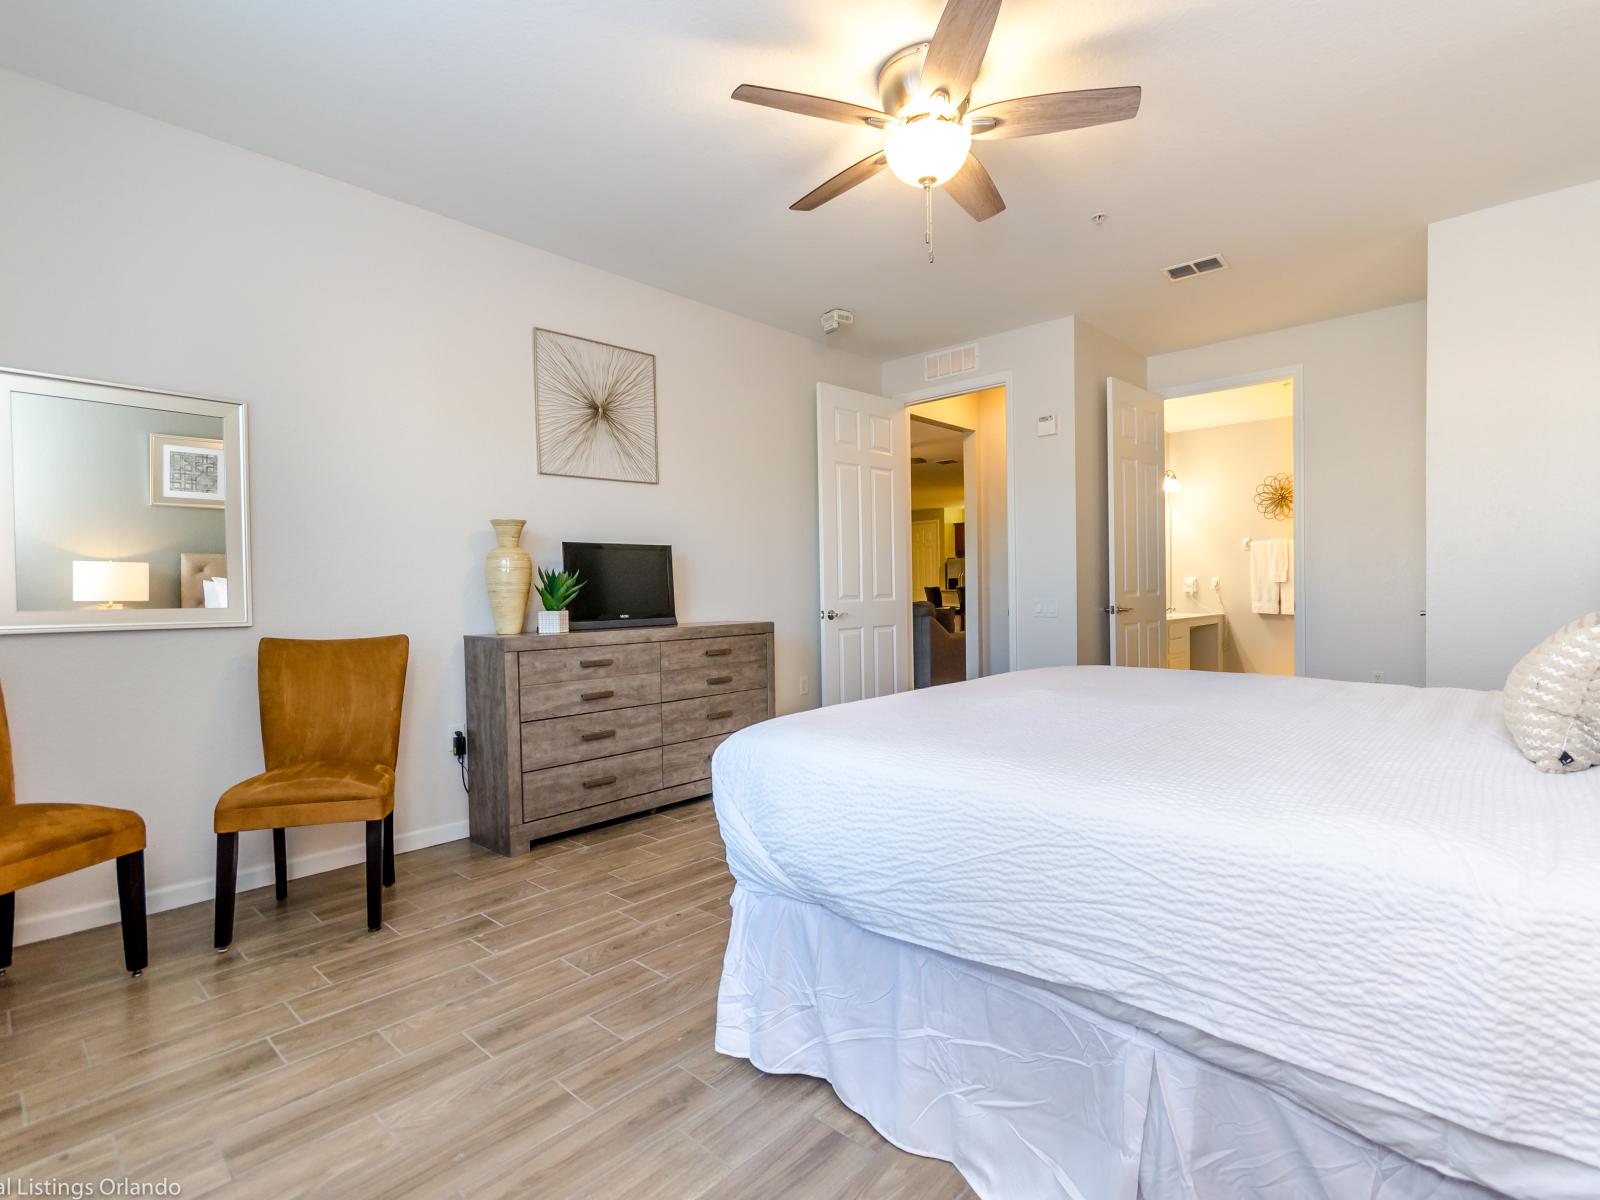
540 700
599 735
720 652
688 761
595 662
712 679
583 785
690 720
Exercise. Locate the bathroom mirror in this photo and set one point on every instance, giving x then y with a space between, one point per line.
121 507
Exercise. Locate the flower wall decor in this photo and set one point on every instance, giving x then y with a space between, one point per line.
1275 497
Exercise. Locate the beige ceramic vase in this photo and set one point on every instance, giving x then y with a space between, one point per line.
508 576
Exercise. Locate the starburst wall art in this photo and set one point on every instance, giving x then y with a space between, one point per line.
594 409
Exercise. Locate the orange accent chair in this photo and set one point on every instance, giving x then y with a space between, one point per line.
41 841
330 735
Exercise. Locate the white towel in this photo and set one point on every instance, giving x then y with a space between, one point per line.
1264 568
1286 590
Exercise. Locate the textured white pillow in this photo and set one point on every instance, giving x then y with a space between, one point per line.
1553 699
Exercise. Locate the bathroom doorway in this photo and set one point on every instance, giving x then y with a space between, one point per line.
1231 578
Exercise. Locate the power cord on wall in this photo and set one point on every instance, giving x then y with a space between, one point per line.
458 747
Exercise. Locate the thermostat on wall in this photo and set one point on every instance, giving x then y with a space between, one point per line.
1047 426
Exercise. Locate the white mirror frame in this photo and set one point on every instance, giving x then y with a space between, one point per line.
236 487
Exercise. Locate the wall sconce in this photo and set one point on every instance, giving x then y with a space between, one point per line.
1171 483
110 584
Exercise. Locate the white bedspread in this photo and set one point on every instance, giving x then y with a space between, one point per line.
1365 881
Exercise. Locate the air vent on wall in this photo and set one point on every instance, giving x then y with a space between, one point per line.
950 362
1198 266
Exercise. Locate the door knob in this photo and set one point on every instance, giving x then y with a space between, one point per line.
830 615
1112 610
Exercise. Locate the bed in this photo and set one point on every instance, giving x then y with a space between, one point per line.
1097 933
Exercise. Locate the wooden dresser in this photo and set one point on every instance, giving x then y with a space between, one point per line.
572 729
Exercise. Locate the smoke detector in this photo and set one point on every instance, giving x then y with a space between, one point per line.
1197 266
835 317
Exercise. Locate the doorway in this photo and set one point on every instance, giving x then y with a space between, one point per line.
1230 556
959 537
941 618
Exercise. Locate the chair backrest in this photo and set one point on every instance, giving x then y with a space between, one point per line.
331 701
935 597
8 786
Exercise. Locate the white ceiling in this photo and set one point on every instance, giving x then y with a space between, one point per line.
1309 142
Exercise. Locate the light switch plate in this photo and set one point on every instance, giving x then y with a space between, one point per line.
1047 426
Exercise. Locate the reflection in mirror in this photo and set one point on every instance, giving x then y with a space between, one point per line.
120 507
98 484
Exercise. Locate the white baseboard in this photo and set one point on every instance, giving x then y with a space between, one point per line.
39 926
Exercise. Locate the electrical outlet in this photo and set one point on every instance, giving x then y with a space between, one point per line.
458 739
805 686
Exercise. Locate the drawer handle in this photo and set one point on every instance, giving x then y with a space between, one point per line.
588 696
722 714
601 782
596 662
716 679
599 735
720 652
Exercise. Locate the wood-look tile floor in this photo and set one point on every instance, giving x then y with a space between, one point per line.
537 1026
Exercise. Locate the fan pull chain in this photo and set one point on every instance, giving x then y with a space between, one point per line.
927 230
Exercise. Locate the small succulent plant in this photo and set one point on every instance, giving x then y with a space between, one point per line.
557 589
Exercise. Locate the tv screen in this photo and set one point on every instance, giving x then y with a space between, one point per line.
622 585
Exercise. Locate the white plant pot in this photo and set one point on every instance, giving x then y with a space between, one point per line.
553 622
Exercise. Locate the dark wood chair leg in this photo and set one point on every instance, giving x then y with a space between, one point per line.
227 882
374 875
130 893
8 925
280 864
388 851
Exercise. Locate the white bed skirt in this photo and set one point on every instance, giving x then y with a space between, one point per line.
1028 1093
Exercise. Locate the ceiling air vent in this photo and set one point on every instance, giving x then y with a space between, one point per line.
1199 266
950 362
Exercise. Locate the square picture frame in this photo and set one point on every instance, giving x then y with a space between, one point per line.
187 472
594 409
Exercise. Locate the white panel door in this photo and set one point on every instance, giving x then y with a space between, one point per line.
864 518
1136 463
927 556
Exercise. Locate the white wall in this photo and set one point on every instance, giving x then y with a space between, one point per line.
1097 356
1220 467
385 353
1513 426
1036 365
1359 499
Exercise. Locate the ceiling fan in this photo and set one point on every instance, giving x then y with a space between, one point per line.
930 125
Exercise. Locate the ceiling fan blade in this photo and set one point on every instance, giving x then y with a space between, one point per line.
972 188
958 46
811 106
1054 112
841 183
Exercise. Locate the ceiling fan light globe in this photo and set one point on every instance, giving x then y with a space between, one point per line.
928 151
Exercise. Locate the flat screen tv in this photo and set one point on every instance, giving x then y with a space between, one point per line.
622 585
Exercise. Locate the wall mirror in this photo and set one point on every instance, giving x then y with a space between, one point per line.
120 508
